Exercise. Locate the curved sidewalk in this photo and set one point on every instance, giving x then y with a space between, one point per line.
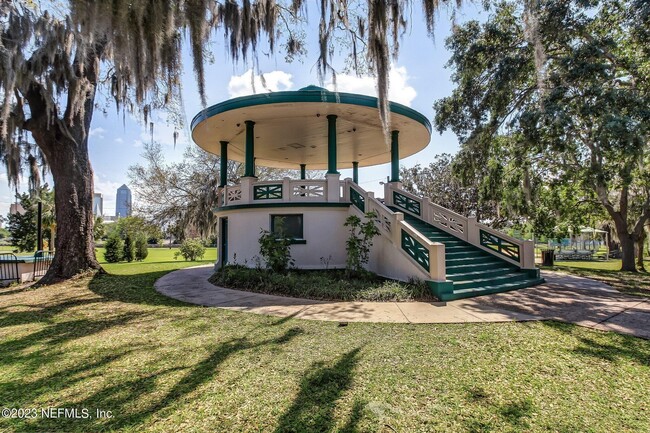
563 297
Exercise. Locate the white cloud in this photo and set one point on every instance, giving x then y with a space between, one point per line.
398 91
240 85
96 132
118 140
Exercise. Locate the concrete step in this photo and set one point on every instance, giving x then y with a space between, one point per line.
487 290
483 273
471 260
473 267
478 283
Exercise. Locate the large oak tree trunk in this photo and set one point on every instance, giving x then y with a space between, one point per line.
73 195
64 142
640 243
627 248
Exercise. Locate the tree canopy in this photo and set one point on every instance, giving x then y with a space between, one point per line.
54 62
183 194
438 182
568 82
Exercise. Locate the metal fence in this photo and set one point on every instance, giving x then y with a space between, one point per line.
8 268
42 262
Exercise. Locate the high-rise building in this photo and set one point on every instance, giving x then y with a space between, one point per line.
16 208
123 203
98 204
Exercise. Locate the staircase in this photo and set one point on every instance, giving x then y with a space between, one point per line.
473 271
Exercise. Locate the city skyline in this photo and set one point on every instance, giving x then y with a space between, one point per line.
123 202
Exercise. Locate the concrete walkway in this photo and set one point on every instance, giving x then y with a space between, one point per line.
563 297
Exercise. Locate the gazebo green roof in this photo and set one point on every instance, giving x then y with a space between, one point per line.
291 128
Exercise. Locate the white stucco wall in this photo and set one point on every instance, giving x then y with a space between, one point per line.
325 235
322 229
388 260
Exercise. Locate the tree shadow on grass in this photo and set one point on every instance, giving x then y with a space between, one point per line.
50 339
609 346
320 389
356 414
43 313
134 289
515 413
121 398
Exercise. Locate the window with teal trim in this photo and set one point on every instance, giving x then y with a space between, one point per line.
292 225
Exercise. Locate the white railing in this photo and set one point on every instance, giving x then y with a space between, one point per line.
446 219
251 191
421 251
506 247
307 190
229 195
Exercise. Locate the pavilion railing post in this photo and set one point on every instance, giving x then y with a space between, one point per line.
286 189
346 189
247 189
388 194
333 187
472 231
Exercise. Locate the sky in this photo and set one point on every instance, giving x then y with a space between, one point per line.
417 79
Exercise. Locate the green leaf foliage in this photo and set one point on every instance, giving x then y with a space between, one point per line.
551 107
114 248
359 242
22 225
129 249
275 248
141 249
191 250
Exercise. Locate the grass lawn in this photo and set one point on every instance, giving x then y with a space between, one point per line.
112 343
332 284
632 283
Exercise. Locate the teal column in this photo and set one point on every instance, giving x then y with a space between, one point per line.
224 164
303 171
249 169
394 157
355 172
331 144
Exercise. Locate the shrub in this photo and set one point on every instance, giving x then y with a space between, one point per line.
360 240
114 248
191 249
141 249
129 249
275 249
319 284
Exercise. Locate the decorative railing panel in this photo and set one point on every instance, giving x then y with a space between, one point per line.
407 203
500 245
358 200
383 216
416 250
307 190
267 192
233 193
448 220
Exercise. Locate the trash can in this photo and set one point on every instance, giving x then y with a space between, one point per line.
548 257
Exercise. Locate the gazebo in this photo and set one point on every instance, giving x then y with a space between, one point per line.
313 128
